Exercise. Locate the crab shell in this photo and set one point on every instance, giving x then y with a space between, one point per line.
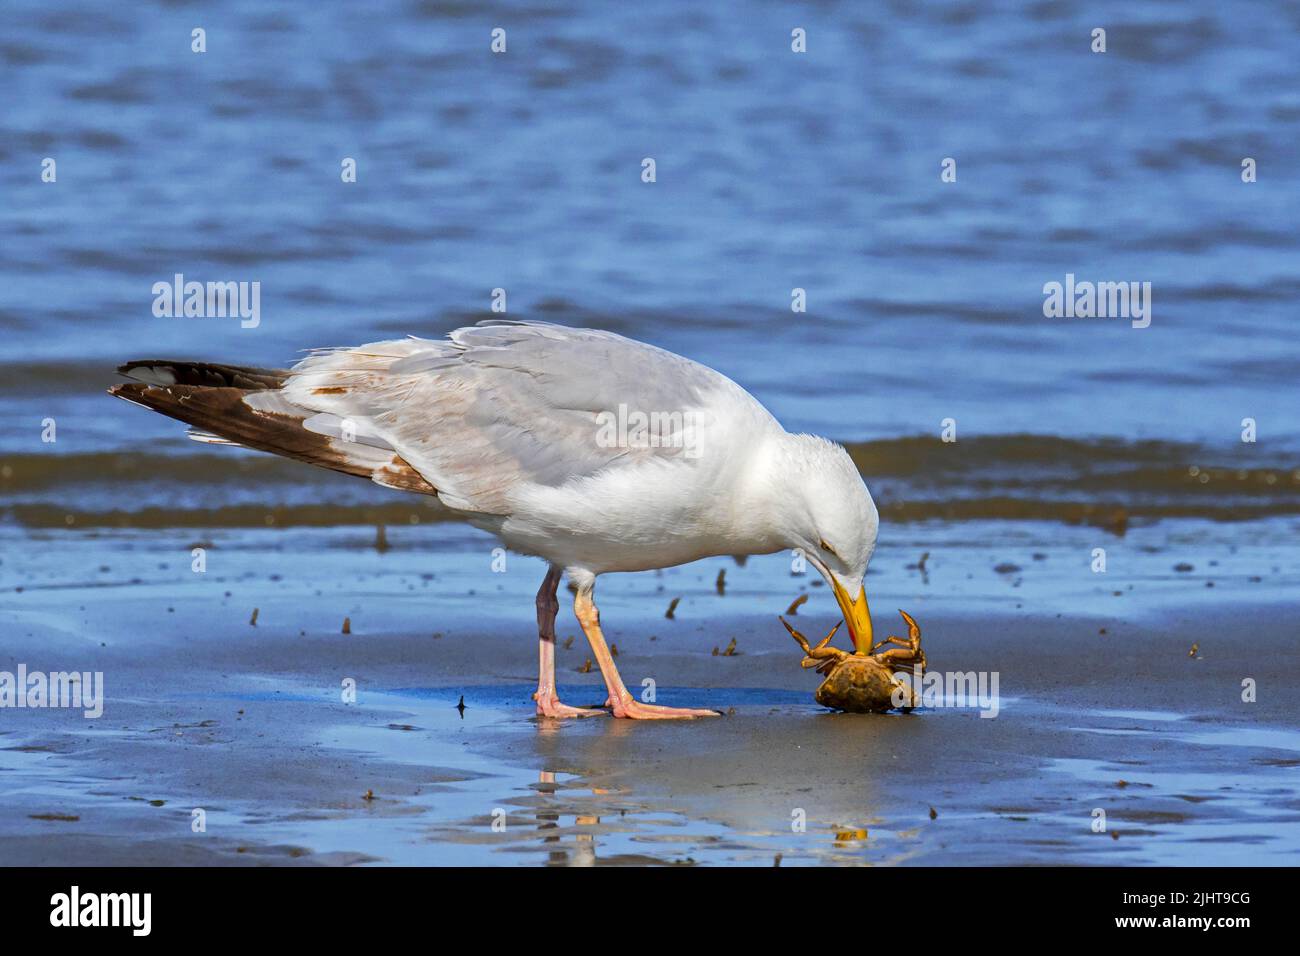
861 684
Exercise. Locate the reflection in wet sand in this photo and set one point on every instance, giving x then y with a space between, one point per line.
583 850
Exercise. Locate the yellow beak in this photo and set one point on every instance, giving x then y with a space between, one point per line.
856 615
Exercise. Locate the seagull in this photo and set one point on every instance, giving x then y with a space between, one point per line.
590 450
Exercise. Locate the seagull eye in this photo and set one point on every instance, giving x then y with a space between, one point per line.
826 547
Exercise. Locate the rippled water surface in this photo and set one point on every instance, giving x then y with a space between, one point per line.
775 171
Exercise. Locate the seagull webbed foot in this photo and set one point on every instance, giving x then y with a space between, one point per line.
551 707
633 709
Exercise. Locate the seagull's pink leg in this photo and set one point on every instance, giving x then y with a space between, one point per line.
623 703
548 701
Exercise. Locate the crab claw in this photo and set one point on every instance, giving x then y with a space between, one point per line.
900 653
914 639
827 639
913 629
803 641
799 638
821 657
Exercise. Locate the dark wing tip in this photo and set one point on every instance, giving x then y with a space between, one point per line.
205 374
149 371
133 392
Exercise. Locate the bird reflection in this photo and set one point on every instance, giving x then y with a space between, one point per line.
582 850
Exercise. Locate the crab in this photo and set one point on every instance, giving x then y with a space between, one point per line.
866 682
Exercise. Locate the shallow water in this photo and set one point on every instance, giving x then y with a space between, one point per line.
1177 809
1037 567
776 170
779 170
502 812
1206 780
543 814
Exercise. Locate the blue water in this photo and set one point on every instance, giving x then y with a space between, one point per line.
775 170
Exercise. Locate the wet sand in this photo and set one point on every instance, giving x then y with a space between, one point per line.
247 722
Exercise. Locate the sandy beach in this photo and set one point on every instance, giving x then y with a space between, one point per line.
1099 709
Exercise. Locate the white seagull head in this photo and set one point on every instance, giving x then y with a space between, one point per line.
828 514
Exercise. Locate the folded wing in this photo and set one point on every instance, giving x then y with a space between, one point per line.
502 405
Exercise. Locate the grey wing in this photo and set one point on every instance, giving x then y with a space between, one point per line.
505 404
